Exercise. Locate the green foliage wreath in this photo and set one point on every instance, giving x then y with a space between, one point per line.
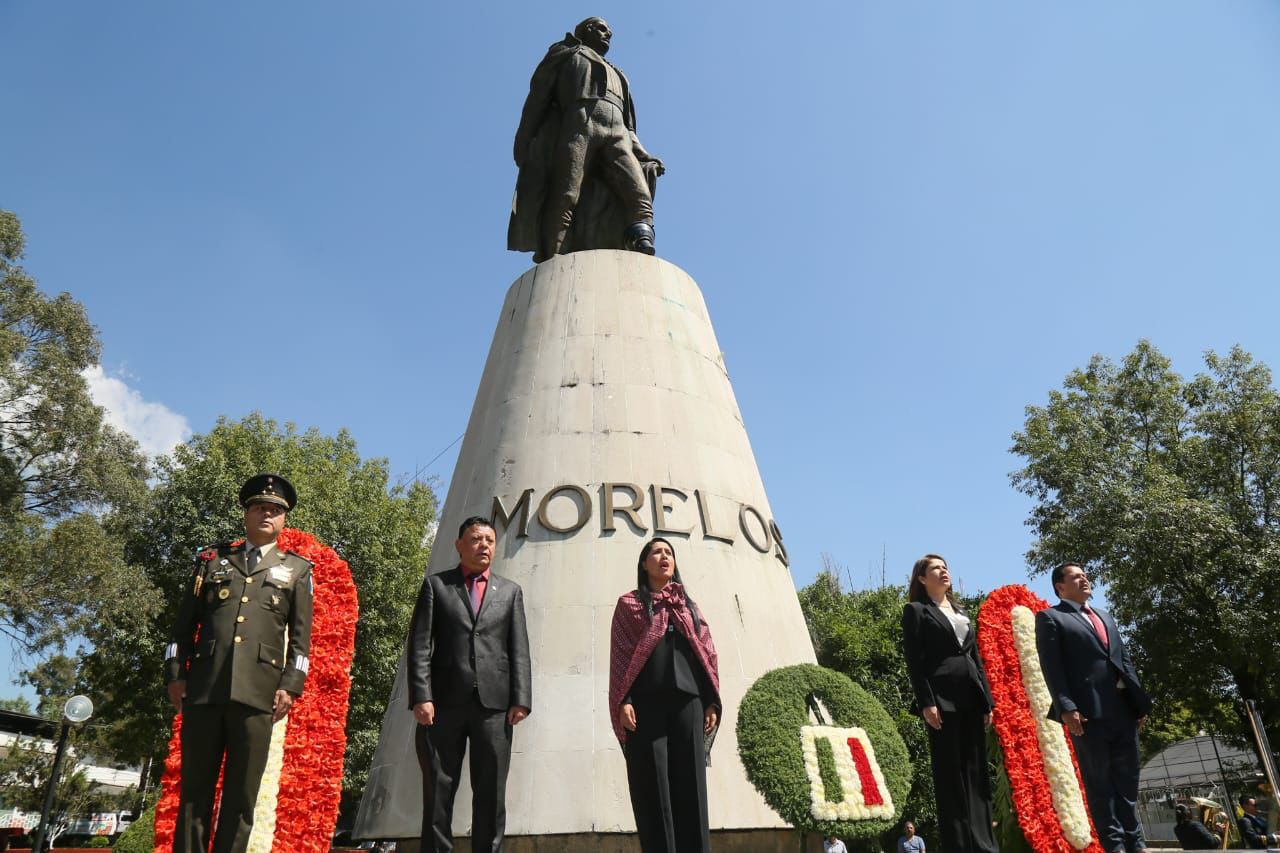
769 722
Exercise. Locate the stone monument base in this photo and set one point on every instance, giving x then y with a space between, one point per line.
722 841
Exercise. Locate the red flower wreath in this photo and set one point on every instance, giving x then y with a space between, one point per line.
316 739
1016 727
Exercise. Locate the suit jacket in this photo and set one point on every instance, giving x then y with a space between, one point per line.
1194 835
241 617
453 651
1081 674
944 672
1253 831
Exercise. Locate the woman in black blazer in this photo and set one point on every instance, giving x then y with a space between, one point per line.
953 697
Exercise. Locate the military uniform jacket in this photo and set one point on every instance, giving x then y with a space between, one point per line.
229 640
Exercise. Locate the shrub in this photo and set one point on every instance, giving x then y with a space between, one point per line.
140 836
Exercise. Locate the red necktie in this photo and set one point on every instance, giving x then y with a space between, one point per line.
1098 627
476 582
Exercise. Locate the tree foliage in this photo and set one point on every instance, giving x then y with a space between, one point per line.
1168 491
346 502
64 473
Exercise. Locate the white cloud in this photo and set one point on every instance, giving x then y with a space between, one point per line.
155 427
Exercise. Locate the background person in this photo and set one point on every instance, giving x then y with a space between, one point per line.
1253 829
910 842
832 844
470 679
244 672
1096 694
664 701
1191 833
953 697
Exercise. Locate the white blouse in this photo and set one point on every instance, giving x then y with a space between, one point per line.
959 622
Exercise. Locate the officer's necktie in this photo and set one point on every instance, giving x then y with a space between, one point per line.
1098 627
252 560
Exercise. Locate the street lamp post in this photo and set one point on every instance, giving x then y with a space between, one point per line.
77 710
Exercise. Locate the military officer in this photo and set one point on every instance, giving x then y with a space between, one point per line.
236 660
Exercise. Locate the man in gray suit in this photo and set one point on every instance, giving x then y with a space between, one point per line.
469 680
1096 694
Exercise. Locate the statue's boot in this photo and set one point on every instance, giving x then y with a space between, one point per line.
639 237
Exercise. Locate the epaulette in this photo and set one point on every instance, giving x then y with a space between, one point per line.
288 553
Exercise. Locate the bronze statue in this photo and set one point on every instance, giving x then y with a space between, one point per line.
585 180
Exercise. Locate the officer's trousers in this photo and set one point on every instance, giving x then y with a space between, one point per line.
209 732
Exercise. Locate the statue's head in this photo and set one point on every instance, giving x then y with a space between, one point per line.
595 34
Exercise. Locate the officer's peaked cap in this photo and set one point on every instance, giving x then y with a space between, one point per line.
269 488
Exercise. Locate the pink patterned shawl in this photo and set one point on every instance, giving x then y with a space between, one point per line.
635 635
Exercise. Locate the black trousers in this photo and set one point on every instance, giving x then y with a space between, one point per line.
1108 754
667 774
243 734
440 750
962 788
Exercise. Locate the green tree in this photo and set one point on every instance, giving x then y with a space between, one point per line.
383 532
63 471
54 680
17 704
1168 491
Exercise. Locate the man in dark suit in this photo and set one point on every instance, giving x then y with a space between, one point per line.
1096 694
249 603
469 679
1253 829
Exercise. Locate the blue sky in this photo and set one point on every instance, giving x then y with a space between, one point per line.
909 220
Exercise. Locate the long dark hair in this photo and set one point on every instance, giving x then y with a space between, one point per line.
915 586
642 580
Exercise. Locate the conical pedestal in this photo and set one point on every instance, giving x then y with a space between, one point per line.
605 416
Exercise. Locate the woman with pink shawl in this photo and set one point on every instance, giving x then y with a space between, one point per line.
664 701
